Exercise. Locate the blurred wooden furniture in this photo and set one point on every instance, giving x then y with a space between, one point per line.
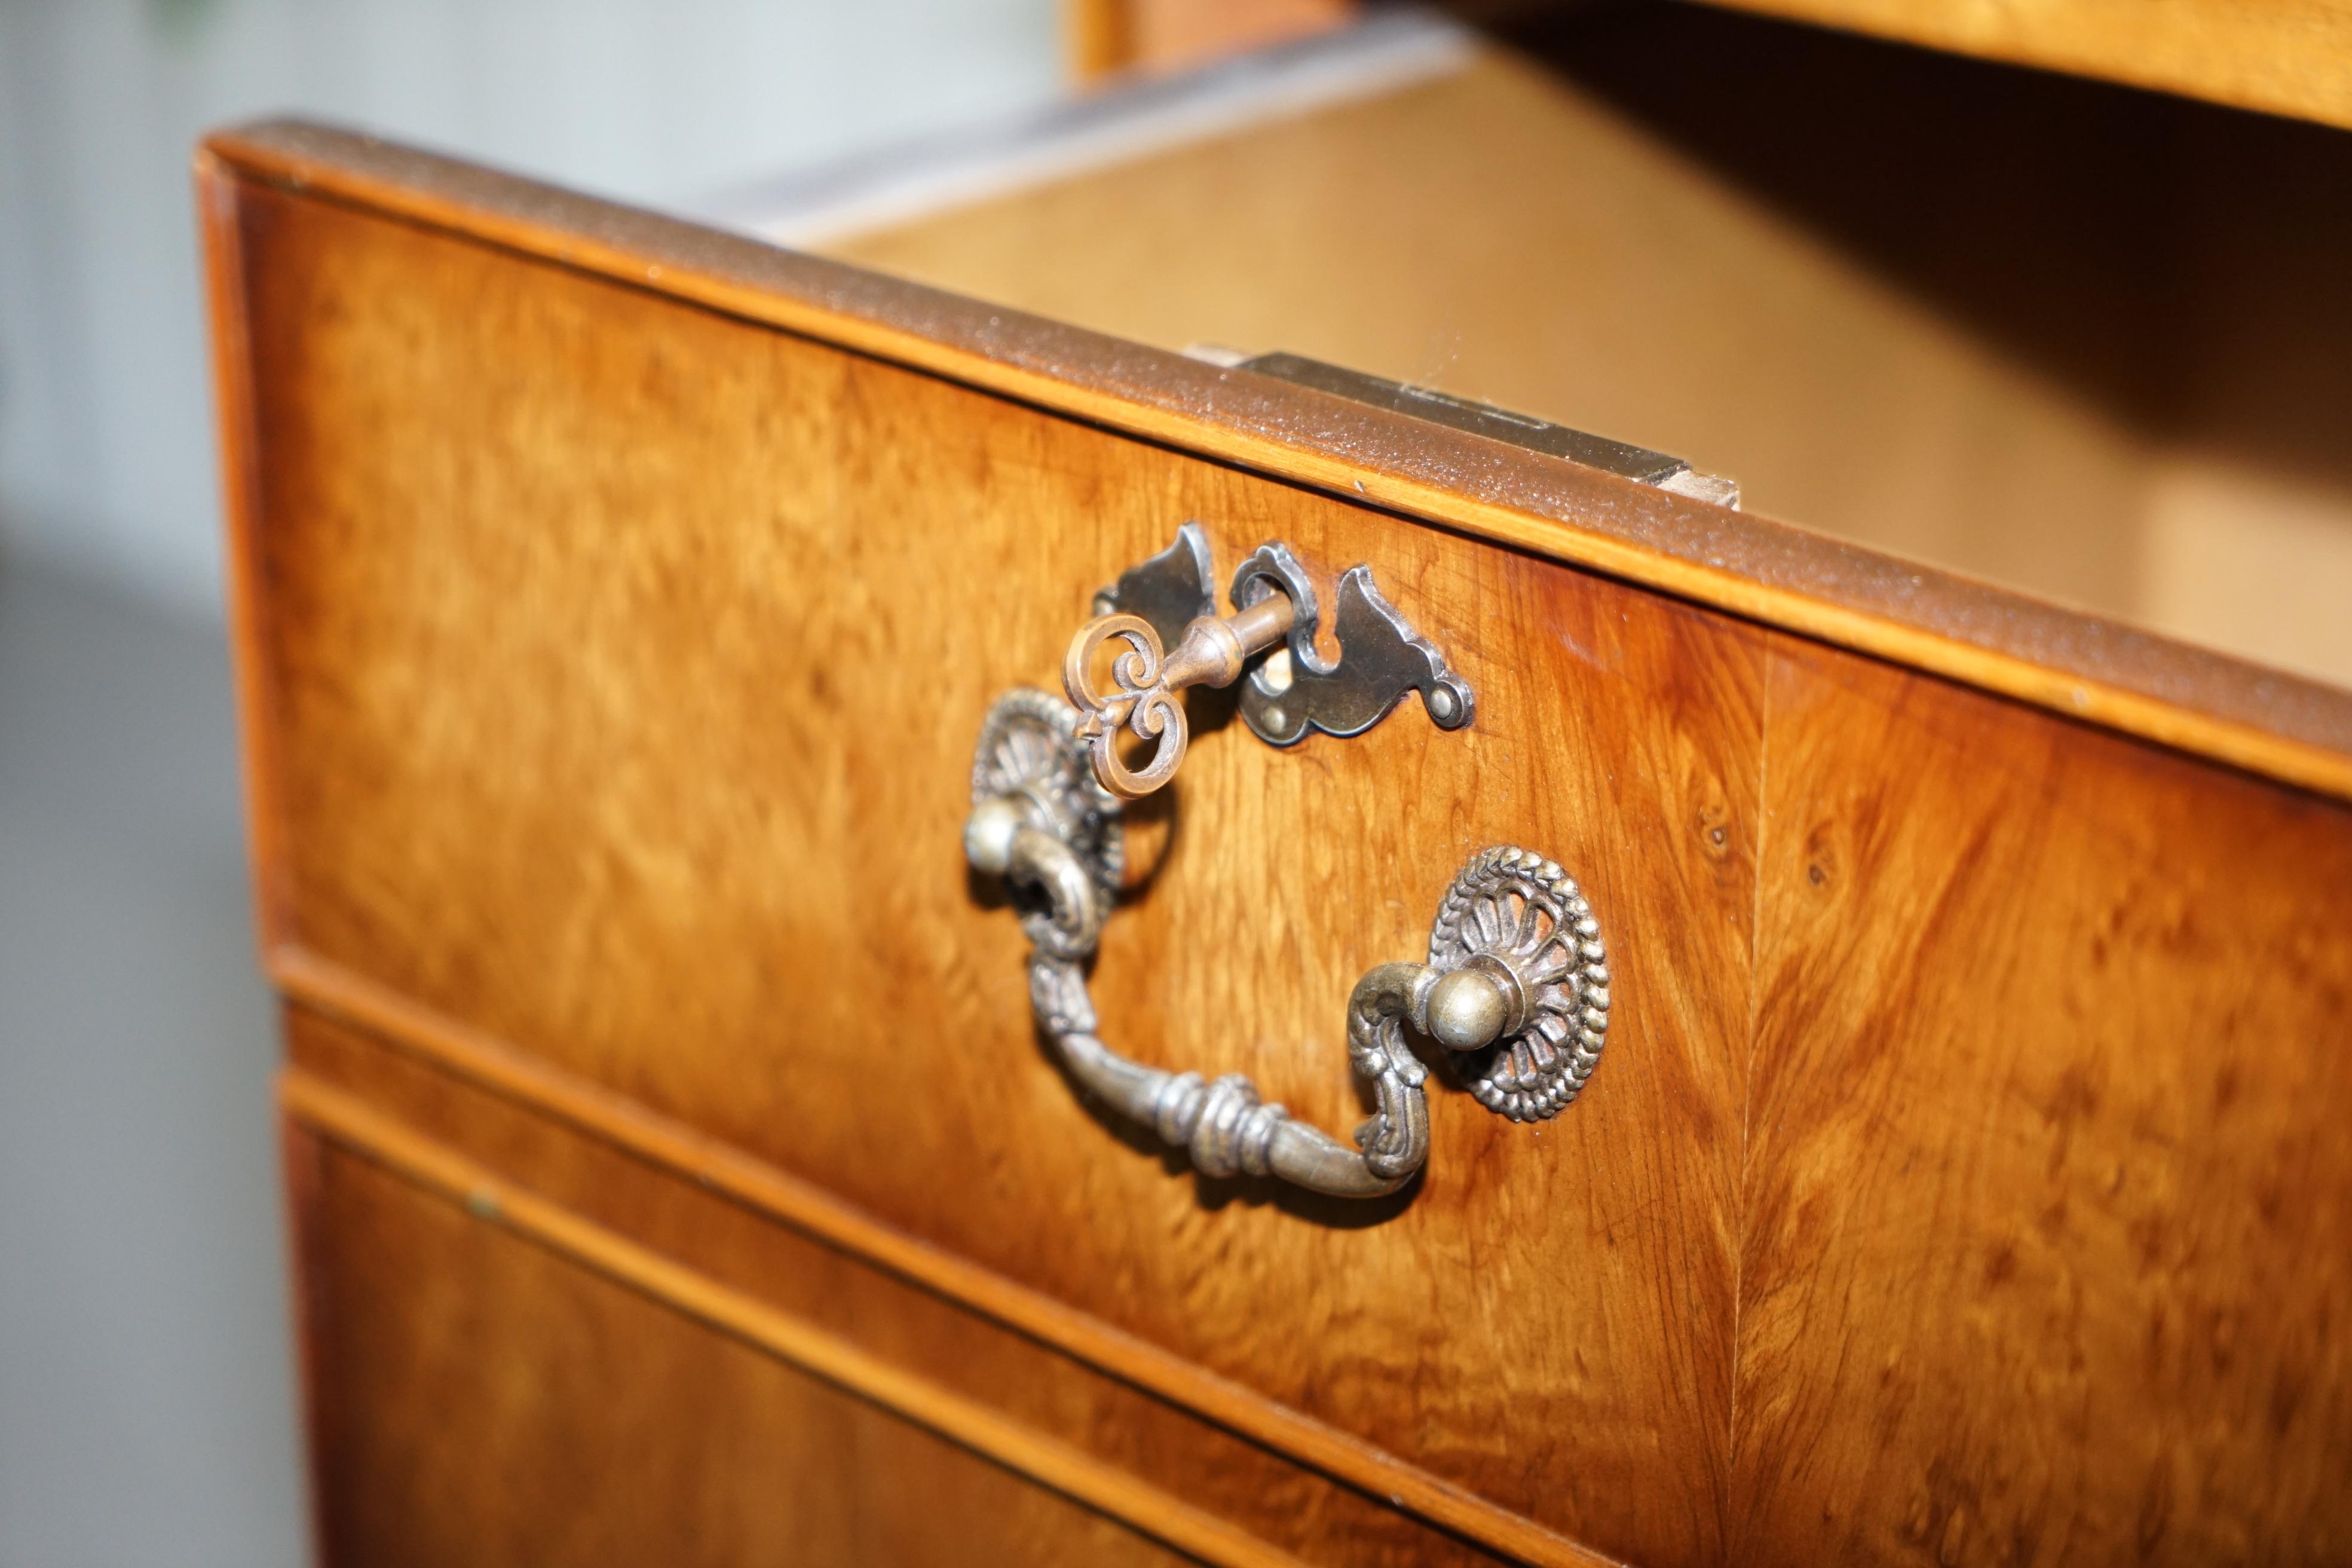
1108 38
2278 56
2281 57
677 1173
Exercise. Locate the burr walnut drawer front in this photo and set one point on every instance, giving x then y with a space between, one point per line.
624 666
622 609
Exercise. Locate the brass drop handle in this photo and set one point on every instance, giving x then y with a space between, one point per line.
1516 989
1213 653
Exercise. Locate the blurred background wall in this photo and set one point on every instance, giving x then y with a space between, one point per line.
104 430
146 1403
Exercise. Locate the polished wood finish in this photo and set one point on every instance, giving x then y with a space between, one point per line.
616 605
921 1357
337 1008
530 832
475 1398
2048 1203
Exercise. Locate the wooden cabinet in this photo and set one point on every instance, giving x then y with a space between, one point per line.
678 1171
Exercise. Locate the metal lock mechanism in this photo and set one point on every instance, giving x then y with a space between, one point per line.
1170 602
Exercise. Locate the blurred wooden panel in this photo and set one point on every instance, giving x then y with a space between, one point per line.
1105 37
1156 1446
2049 1194
473 1399
2281 57
622 662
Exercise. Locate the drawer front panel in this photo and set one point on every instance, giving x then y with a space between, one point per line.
619 667
2049 1206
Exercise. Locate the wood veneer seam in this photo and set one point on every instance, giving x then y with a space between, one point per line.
353 1124
309 980
2325 768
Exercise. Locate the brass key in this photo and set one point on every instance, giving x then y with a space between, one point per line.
1212 654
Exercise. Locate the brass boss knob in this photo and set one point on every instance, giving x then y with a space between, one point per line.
1467 1010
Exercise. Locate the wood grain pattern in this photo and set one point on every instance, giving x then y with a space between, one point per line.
337 996
1108 1442
475 1399
2048 1243
2259 720
1965 1178
2281 57
616 806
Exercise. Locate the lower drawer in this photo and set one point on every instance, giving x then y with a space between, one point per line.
688 1234
475 1398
